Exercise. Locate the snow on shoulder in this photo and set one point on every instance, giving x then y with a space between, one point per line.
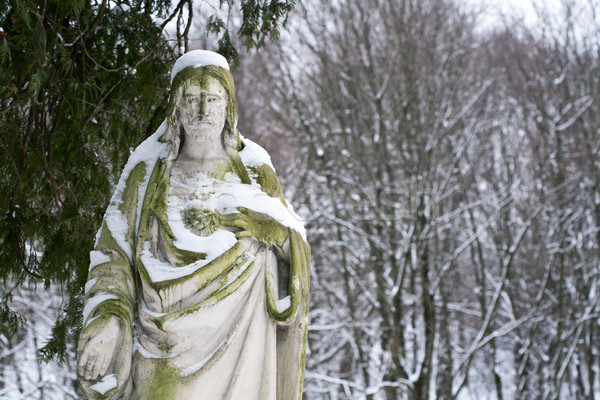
253 155
196 59
148 152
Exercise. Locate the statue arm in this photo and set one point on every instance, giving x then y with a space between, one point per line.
258 226
293 321
290 308
296 281
105 346
291 250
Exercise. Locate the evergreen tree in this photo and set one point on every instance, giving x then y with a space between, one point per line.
81 83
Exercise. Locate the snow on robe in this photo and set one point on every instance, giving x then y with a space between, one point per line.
206 316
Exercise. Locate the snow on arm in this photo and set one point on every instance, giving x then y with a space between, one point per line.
252 197
283 304
97 258
94 301
107 383
91 320
90 284
253 155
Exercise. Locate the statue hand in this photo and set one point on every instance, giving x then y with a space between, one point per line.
255 225
99 350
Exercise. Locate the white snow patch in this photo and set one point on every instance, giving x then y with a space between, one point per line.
144 309
121 8
196 59
225 197
214 244
117 225
196 367
94 301
254 155
89 321
107 383
137 346
160 271
221 196
90 284
283 304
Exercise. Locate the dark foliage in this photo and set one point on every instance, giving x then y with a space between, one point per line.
81 83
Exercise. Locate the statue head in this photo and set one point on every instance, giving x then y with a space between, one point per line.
200 84
200 112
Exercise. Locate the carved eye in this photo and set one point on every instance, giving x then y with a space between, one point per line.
212 99
192 100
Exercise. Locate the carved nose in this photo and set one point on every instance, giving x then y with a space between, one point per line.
202 111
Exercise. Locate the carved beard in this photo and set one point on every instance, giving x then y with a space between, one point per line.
202 131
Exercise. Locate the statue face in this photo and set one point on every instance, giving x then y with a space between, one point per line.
202 111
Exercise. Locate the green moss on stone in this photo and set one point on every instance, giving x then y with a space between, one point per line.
163 382
266 178
200 221
129 198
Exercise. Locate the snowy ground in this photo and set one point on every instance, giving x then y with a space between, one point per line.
22 377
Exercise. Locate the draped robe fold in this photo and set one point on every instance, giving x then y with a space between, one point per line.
218 332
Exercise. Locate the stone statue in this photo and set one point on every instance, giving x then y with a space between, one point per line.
198 283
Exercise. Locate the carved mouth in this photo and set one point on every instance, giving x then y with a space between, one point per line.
203 121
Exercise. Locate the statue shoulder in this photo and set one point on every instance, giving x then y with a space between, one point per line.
266 178
258 162
253 155
141 163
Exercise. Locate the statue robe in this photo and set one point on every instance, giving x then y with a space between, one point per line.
195 328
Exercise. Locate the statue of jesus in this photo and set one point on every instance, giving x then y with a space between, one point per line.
198 283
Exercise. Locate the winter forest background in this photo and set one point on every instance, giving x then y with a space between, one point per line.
443 154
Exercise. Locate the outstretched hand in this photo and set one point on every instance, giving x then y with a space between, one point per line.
257 226
99 350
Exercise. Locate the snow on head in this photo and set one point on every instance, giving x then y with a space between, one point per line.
196 59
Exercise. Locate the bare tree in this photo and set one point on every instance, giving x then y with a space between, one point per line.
449 183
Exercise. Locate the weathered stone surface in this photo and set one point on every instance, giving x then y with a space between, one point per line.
198 283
